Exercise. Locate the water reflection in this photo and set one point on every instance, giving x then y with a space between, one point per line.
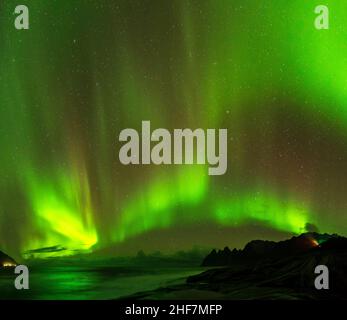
82 281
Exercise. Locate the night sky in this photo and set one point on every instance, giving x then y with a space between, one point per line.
88 69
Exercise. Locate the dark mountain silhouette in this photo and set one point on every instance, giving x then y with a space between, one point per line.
6 261
285 269
260 250
191 257
267 270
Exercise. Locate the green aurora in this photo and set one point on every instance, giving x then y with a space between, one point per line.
88 69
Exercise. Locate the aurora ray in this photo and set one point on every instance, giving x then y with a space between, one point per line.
86 70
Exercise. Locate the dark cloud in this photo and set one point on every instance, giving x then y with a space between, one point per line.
46 250
310 227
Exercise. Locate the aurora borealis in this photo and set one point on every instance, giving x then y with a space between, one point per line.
87 69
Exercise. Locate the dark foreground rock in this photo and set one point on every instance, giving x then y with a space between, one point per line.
6 261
